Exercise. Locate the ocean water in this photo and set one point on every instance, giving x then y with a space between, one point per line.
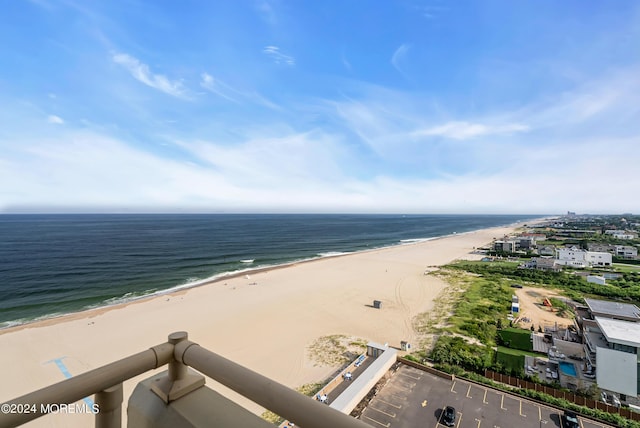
56 264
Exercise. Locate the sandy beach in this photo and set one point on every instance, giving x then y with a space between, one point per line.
266 322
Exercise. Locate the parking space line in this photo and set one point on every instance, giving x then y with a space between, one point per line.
378 422
391 404
412 377
459 420
484 399
502 403
393 415
408 385
524 416
539 413
468 391
478 420
454 384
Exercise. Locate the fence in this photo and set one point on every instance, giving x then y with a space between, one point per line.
569 396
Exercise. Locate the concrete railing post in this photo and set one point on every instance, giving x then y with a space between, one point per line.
180 380
177 369
109 403
278 398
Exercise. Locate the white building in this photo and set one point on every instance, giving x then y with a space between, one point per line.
573 256
618 361
611 344
626 251
579 258
600 280
595 258
621 234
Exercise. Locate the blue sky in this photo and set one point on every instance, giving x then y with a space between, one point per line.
401 106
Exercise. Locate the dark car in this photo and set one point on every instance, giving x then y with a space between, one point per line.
570 420
449 416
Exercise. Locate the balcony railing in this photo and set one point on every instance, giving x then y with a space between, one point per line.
179 353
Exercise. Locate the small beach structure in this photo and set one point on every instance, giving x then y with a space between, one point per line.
377 304
515 304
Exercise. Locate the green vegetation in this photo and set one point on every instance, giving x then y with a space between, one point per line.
474 321
336 349
574 286
563 309
476 314
516 338
625 261
626 268
511 360
477 308
454 350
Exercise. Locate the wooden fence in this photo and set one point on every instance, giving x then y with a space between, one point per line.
569 396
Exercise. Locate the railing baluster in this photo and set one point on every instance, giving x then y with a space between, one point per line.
109 402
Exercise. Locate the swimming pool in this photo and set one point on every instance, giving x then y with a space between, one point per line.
568 368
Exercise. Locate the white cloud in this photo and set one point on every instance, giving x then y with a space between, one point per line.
278 57
218 87
57 120
309 172
398 57
289 160
522 160
466 130
142 73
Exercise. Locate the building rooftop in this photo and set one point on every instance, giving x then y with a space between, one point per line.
618 331
613 309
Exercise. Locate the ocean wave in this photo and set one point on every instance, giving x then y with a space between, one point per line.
22 321
334 253
416 240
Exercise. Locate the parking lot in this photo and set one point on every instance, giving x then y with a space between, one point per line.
414 398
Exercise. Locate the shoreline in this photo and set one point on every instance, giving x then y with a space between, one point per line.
51 319
268 323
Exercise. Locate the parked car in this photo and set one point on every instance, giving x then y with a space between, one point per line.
449 416
615 400
570 420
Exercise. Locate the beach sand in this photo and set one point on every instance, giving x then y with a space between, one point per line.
266 322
